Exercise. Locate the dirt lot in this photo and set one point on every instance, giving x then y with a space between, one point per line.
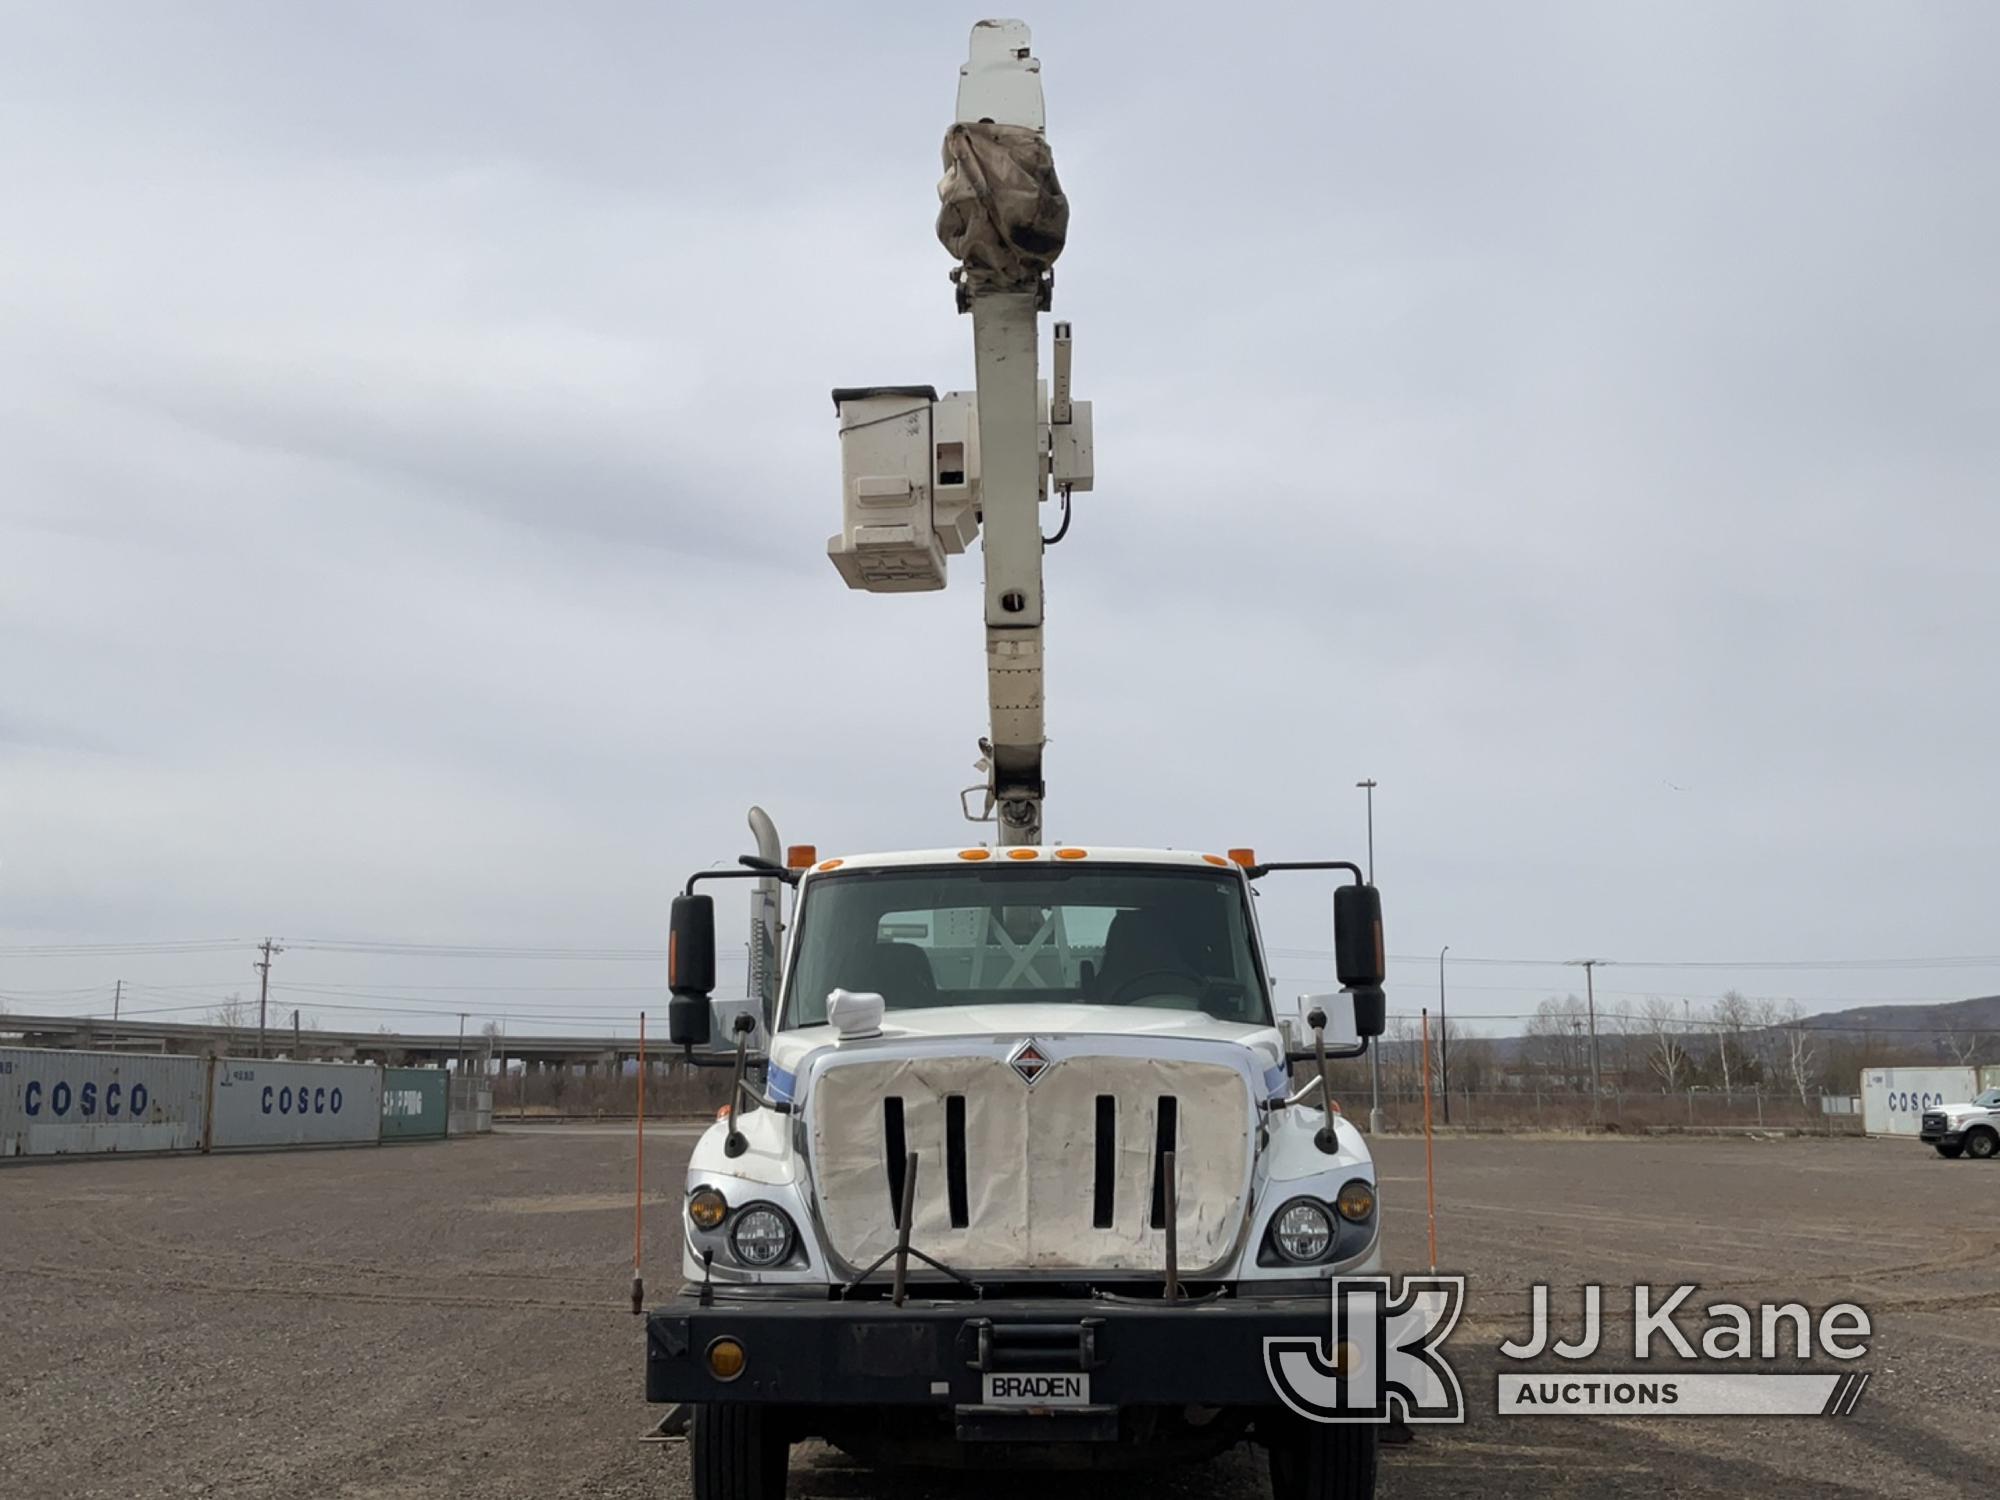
450 1319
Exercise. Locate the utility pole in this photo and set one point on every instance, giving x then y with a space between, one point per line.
1375 1052
461 1046
1444 1040
1589 967
298 1048
263 968
1687 1029
117 997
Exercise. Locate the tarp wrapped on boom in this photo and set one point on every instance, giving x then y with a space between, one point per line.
1004 217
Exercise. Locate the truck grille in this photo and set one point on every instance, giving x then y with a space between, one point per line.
1065 1174
1934 1121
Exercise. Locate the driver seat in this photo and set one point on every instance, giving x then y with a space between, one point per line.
1140 941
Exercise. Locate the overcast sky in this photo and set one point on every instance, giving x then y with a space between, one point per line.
416 466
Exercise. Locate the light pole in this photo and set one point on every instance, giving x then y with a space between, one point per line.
1444 1040
1375 1051
1369 787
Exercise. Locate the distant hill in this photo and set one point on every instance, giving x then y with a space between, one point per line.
1964 1016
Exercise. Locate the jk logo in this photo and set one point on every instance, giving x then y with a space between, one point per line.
1383 1359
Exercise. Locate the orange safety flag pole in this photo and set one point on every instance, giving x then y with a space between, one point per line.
1430 1174
639 1195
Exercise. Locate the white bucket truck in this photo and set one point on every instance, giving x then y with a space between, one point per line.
1028 1174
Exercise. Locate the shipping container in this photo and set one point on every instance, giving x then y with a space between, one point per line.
415 1104
1893 1100
1989 1078
78 1103
259 1103
471 1106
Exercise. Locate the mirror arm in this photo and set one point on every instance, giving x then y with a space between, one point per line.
734 1144
1333 1054
758 871
696 1059
1258 872
1327 1139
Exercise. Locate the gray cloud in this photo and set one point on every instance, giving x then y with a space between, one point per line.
418 462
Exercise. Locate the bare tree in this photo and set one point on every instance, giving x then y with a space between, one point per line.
233 1012
1732 1018
1556 1045
1965 1046
1800 1053
1665 1056
1471 1061
1402 1058
1768 1043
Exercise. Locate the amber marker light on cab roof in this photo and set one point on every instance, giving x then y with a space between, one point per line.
801 857
1024 853
975 854
830 864
1072 854
1244 857
1216 859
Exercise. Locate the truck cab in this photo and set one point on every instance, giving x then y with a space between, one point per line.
1028 1166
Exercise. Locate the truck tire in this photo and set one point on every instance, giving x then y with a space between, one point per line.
1950 1152
738 1452
1323 1461
1981 1143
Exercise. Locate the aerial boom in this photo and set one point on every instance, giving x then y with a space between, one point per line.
923 474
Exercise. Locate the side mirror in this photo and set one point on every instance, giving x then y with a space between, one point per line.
1358 953
1371 1011
690 969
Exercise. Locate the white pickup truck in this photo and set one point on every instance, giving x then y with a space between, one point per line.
1028 1173
1965 1129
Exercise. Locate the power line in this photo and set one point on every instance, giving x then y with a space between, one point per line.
86 950
482 950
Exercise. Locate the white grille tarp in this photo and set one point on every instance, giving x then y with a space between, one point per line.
1031 1161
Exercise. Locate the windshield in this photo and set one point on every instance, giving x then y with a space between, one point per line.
1164 936
1989 1100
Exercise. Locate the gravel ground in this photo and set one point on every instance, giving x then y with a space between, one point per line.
451 1319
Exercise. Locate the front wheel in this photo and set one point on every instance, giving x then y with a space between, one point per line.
1323 1460
1982 1144
738 1452
1949 1152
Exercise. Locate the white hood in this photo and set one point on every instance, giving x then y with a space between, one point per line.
1041 1162
789 1049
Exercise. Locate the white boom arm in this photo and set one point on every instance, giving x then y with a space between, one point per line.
923 474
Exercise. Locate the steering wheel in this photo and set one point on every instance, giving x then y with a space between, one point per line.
1194 981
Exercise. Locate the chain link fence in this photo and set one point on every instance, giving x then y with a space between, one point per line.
1745 1110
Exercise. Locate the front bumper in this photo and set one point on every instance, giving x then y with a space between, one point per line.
1934 1129
937 1353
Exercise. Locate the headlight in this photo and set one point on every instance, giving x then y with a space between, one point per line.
1356 1201
1303 1232
707 1208
762 1236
